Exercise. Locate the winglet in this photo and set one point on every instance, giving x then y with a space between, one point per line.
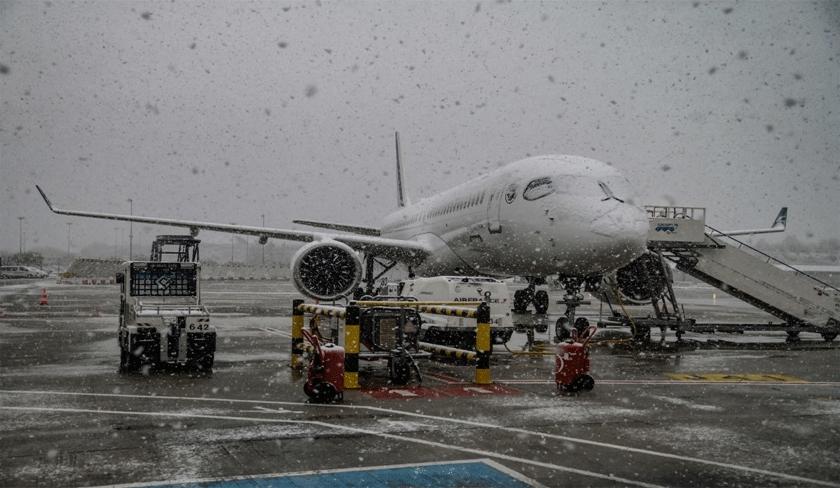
402 198
49 204
781 220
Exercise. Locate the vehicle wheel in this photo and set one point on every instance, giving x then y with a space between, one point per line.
541 301
521 299
400 369
204 365
320 392
132 361
581 324
585 382
123 361
561 330
829 336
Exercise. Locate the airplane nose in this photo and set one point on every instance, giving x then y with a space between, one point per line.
623 222
625 229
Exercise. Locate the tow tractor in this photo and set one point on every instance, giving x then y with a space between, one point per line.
162 320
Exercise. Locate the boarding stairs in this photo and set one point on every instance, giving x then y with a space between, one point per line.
680 235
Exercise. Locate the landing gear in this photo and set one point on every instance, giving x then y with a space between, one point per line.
572 299
526 296
541 301
522 298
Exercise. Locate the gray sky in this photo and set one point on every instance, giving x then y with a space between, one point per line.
222 111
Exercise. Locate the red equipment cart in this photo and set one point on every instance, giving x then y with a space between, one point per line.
571 371
325 376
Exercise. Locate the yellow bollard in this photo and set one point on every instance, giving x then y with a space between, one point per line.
297 334
351 347
482 345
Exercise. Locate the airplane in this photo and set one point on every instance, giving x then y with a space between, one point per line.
551 215
779 225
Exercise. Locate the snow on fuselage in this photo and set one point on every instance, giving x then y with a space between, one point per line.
536 217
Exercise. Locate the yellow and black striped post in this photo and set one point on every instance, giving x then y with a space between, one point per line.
482 345
351 347
297 333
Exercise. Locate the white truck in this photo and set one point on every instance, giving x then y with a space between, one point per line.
162 319
456 331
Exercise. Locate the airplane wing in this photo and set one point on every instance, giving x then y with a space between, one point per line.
355 229
779 225
396 249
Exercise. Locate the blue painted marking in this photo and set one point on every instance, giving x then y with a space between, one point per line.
434 475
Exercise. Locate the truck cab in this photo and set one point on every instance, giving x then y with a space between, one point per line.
162 320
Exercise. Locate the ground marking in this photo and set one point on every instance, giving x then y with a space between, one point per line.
477 390
730 378
274 331
500 467
679 382
455 421
404 393
480 452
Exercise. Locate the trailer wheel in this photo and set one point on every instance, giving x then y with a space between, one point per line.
584 382
400 370
829 336
321 392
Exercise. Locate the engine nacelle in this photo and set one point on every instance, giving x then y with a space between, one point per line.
326 270
646 277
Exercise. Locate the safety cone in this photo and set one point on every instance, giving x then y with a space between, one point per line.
43 300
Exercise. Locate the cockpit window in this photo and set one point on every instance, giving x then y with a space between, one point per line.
608 192
538 188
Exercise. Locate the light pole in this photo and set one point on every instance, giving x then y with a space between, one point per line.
68 238
130 230
20 234
263 246
232 236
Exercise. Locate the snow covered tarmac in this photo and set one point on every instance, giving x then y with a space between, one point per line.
676 418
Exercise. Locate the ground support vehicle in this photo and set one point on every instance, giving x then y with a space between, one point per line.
391 334
459 332
162 320
325 375
571 371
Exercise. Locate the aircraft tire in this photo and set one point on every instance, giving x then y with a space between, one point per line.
541 301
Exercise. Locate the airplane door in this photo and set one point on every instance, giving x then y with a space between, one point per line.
494 209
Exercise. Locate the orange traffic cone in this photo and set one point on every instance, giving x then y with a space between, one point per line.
43 300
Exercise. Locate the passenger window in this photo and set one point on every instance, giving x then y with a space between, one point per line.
538 188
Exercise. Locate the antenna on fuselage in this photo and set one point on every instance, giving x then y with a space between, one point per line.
402 198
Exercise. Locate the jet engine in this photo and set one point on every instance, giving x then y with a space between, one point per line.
644 278
326 270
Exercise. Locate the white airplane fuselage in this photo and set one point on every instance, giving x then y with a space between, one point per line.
541 216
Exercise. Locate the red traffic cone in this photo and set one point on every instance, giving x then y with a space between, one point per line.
43 300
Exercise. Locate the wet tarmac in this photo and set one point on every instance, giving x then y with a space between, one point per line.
745 409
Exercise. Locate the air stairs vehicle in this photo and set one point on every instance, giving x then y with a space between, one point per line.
680 235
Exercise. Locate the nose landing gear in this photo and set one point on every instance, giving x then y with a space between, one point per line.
572 299
526 296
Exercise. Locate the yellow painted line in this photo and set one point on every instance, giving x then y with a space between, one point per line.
729 377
